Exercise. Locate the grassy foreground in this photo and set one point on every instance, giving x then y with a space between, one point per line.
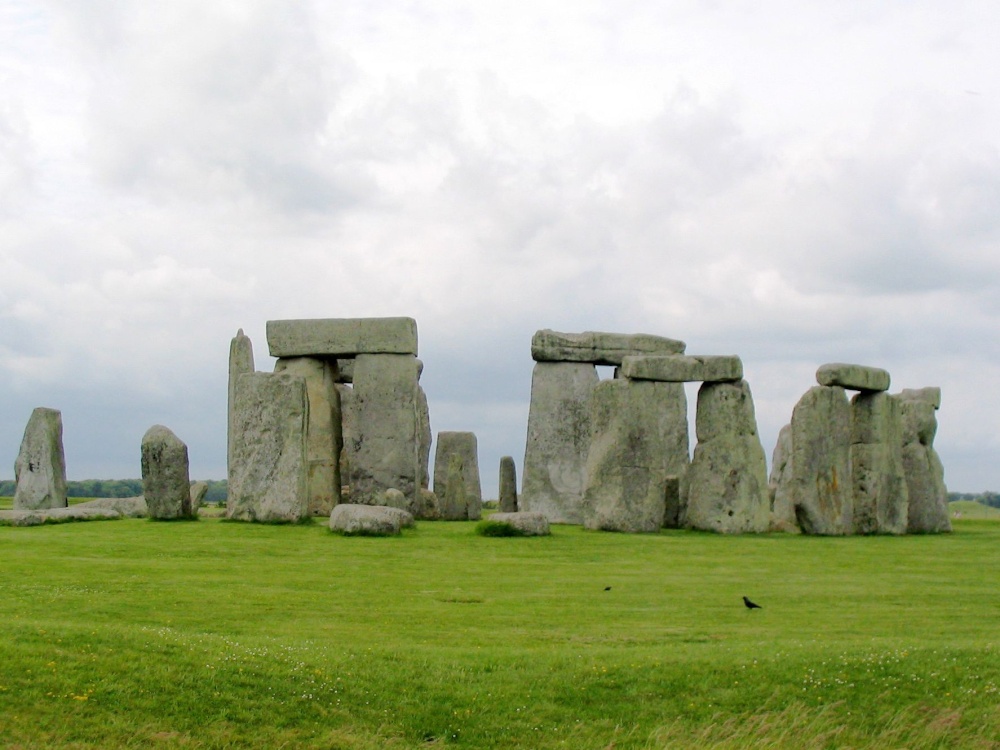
220 635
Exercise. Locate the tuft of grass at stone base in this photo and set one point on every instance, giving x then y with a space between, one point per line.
486 527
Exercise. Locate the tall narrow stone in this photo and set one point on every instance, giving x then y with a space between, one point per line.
40 468
268 477
555 455
508 485
349 431
454 494
240 363
424 434
881 498
465 445
166 483
779 483
928 495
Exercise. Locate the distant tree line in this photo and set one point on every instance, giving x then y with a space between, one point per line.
117 488
986 498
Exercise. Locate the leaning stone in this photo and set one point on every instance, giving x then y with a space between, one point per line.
463 444
40 468
779 484
853 377
198 492
341 337
681 368
508 485
528 524
369 520
598 348
268 478
165 481
555 455
240 363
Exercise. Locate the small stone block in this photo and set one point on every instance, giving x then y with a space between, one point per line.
341 337
853 377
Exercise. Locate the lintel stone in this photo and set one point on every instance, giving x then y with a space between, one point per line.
341 337
853 377
679 368
930 395
598 348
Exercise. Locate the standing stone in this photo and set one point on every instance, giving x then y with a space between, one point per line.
166 483
424 434
779 484
240 363
463 444
508 485
928 495
349 431
268 479
40 468
555 456
881 499
386 402
324 439
727 480
454 500
638 446
820 488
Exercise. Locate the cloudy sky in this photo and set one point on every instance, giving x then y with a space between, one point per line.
796 182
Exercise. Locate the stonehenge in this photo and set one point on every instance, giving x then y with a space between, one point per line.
40 467
166 484
461 504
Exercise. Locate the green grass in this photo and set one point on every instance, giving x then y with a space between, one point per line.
972 509
225 635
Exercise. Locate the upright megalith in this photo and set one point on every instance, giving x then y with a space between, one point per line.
268 477
508 485
881 498
927 493
638 447
40 468
779 484
240 363
453 497
166 483
424 434
727 479
463 444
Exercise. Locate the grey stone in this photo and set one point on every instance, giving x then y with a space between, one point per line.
341 337
508 485
166 484
465 445
81 513
454 499
779 484
198 492
424 436
22 517
918 411
881 498
345 370
820 482
128 507
393 498
369 520
529 524
639 444
386 407
40 468
268 477
324 439
853 377
598 348
930 395
350 432
240 363
727 479
683 368
429 509
555 456
927 512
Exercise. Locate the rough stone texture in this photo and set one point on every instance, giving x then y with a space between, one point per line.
598 348
926 490
727 479
57 515
853 377
386 399
166 484
129 507
240 363
268 476
555 455
465 445
324 438
639 442
350 434
674 490
424 436
930 395
681 368
393 498
40 467
369 520
529 524
341 337
345 370
429 508
454 499
820 481
508 485
198 492
881 498
779 484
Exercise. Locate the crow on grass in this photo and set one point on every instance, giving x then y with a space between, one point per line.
750 605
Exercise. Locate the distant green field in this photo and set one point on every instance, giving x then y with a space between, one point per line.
972 509
223 635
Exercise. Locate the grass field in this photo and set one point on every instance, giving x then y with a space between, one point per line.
221 635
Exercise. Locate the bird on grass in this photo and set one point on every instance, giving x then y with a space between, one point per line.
607 588
750 605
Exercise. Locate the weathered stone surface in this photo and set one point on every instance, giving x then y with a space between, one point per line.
345 370
727 479
429 508
393 498
341 337
240 363
529 524
40 468
454 498
22 517
350 433
639 442
508 485
268 476
369 520
853 377
881 498
424 436
555 455
129 507
930 395
779 484
386 399
198 492
81 513
465 445
166 484
927 512
683 368
820 489
675 490
598 348
324 438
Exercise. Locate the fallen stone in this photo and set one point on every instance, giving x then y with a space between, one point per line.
881 498
598 348
369 520
341 337
853 377
40 468
681 368
81 513
165 481
240 363
508 485
128 507
528 524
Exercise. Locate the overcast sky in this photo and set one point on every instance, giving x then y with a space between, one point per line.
796 182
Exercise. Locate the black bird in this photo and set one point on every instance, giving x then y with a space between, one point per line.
607 588
750 605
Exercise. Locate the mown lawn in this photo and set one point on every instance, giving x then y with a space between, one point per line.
212 634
